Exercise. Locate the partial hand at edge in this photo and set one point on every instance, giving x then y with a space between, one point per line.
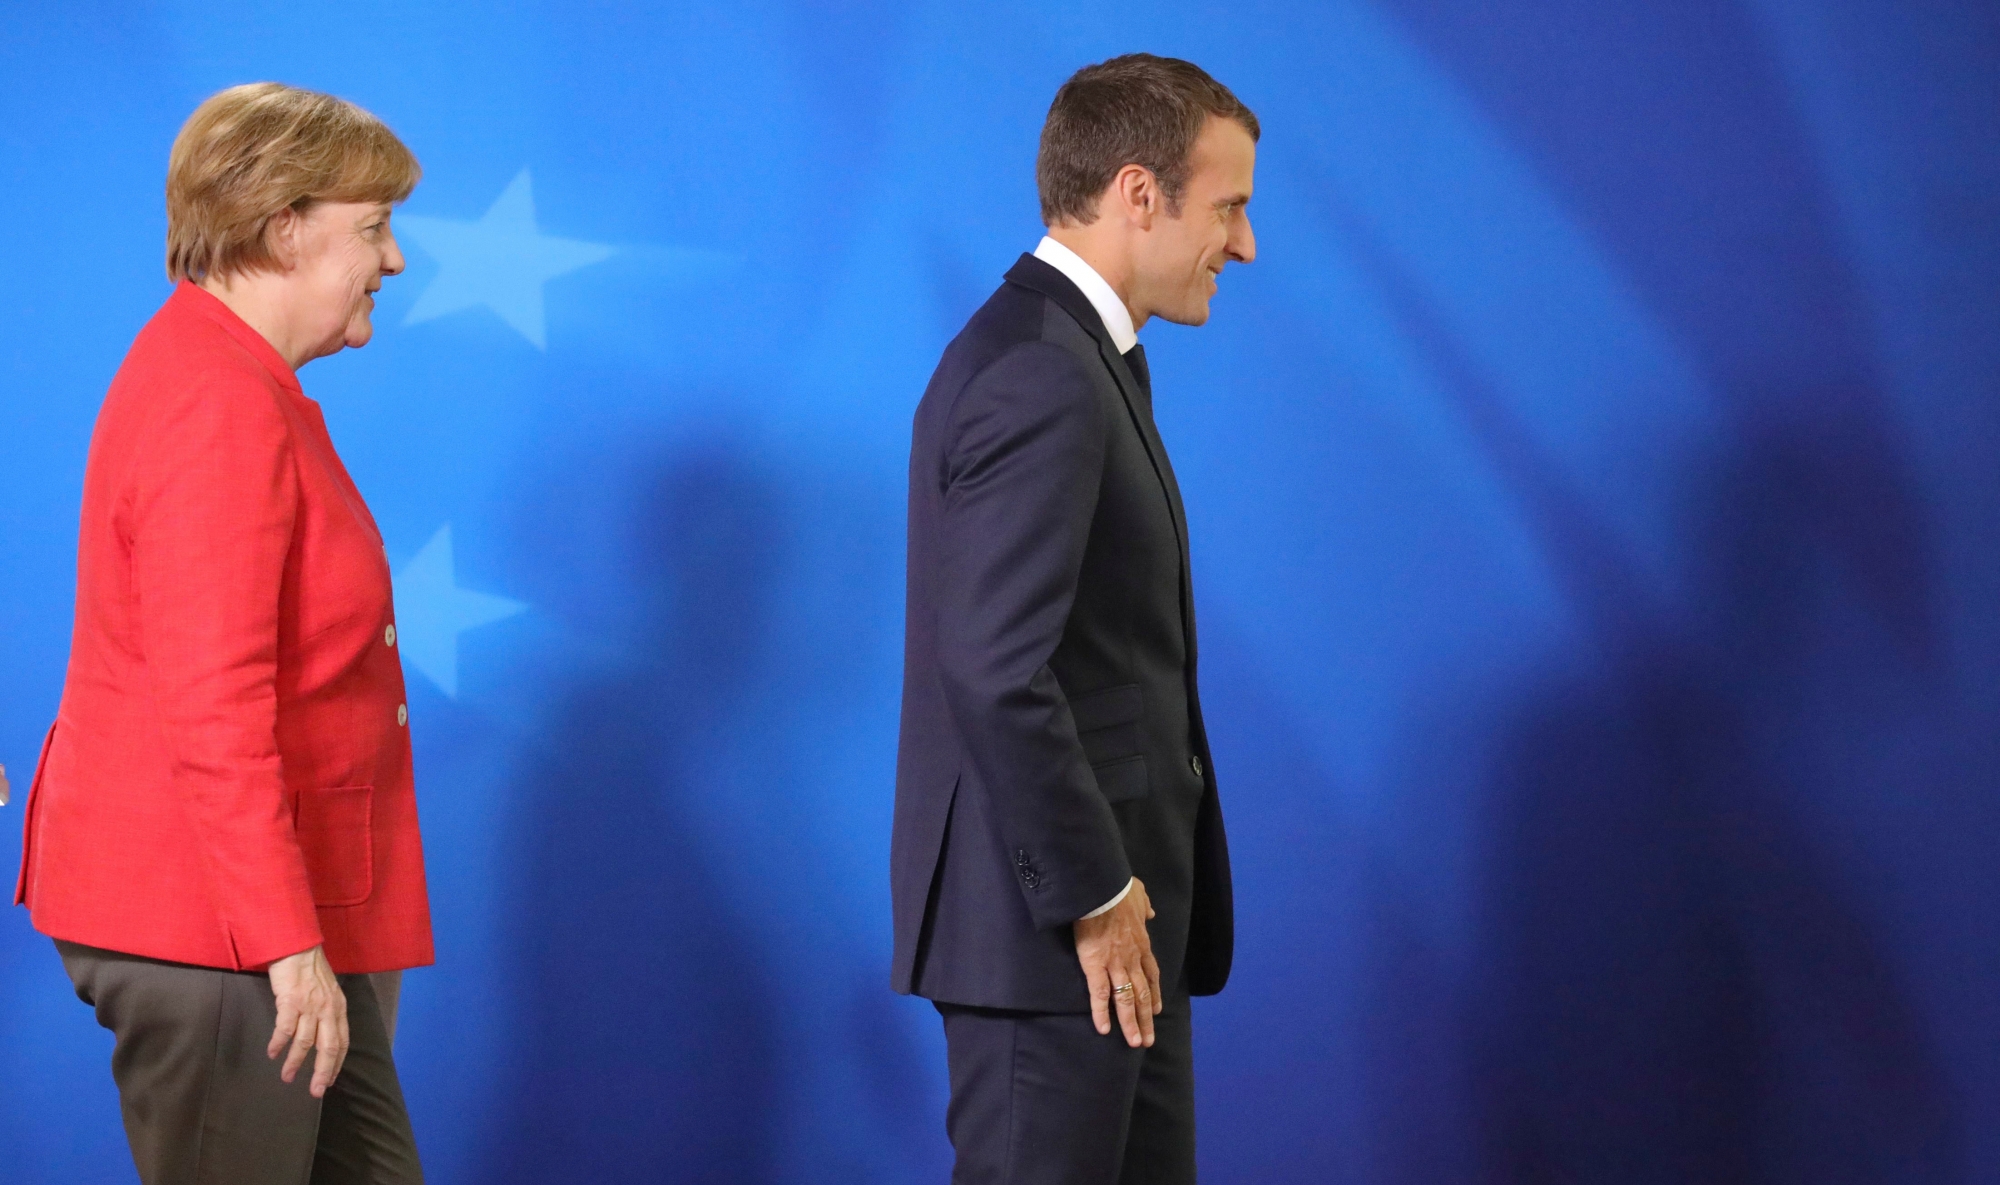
1115 948
312 1015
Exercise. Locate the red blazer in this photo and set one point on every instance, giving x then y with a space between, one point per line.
228 779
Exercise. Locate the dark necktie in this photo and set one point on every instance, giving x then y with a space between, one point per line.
1135 361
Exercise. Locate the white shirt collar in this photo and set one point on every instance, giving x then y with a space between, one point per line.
1117 318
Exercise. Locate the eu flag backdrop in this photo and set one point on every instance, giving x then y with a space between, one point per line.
1596 517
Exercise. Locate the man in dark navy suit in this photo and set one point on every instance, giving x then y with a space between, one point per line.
1060 874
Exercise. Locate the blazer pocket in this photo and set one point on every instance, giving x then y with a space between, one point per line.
1123 780
1107 708
336 831
1109 723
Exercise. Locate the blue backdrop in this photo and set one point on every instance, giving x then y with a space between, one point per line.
1594 490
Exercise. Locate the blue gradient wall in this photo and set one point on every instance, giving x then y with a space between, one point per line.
1595 491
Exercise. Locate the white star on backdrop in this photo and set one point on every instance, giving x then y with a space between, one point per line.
501 261
432 611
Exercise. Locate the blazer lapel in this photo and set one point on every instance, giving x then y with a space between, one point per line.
309 427
320 442
1138 405
1139 398
1044 278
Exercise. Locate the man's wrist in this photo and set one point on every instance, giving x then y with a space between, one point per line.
1112 904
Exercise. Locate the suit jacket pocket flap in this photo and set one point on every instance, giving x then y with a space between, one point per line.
337 836
1122 781
1108 708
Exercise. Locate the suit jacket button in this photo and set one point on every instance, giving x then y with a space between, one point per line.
1194 763
402 715
389 634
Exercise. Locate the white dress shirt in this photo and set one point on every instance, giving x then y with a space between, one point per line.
1118 319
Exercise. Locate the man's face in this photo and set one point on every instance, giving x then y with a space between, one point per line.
1180 259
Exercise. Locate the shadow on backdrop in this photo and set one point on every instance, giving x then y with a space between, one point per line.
1674 978
645 1051
1671 982
1679 986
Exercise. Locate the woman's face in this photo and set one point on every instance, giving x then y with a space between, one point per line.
343 251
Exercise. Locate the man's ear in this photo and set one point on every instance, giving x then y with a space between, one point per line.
1138 195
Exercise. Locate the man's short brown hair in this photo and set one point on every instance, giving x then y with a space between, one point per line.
251 151
1137 109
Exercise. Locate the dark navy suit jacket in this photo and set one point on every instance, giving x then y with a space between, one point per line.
1052 743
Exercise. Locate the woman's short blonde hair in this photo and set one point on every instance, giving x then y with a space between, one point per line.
251 151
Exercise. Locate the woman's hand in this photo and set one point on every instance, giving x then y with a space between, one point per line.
312 1014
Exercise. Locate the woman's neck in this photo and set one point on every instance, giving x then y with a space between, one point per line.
257 298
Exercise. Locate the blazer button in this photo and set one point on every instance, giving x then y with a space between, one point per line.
1194 763
389 634
402 715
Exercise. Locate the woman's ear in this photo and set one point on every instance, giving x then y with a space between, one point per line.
281 236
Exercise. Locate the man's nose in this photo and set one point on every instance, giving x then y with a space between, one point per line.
1243 242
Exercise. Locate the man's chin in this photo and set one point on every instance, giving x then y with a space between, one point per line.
1194 314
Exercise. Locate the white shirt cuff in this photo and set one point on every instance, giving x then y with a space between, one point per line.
1112 904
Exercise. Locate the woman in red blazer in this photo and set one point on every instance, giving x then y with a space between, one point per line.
222 833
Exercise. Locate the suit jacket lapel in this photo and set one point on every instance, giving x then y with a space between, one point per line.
1139 404
1042 277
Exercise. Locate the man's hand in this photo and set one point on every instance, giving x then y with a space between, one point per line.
312 1014
1116 950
